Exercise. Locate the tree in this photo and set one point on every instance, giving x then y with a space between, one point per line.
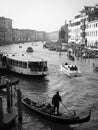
62 35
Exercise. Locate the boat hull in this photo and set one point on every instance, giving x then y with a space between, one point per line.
28 72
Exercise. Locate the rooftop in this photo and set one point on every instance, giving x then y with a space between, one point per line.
24 57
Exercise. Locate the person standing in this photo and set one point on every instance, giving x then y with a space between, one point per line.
56 99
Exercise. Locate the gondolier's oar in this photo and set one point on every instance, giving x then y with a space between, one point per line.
74 113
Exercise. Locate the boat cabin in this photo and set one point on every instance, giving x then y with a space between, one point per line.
29 49
71 67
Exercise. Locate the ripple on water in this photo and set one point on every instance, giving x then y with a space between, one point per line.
79 93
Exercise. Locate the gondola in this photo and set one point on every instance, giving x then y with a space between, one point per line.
46 111
14 82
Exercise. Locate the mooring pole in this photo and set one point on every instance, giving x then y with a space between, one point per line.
8 97
19 96
1 114
11 96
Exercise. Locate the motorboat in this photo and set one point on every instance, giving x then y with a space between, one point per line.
70 70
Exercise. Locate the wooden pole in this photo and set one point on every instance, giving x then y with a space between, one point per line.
11 96
8 97
1 113
19 96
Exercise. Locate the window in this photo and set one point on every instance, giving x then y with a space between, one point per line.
20 63
92 33
24 65
88 34
96 24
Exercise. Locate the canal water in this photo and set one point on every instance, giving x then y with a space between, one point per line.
78 93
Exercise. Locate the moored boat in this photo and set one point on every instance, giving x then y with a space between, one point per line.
26 64
46 111
70 70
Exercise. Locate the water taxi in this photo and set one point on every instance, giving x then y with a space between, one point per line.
70 70
26 64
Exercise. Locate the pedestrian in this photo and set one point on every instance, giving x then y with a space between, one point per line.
56 99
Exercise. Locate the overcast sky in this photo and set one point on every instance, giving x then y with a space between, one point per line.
41 15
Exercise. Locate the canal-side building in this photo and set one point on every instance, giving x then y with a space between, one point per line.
41 36
8 34
52 36
74 27
17 37
5 30
83 28
23 35
77 26
27 35
92 33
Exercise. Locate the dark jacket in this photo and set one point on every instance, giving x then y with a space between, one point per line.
56 99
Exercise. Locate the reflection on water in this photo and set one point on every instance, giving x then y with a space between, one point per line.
36 122
78 93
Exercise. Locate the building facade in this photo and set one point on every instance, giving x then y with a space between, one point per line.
11 35
75 29
83 28
92 33
52 36
27 35
5 30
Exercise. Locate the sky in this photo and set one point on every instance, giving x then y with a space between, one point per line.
41 15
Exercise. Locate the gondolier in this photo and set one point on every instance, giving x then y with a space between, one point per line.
55 101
